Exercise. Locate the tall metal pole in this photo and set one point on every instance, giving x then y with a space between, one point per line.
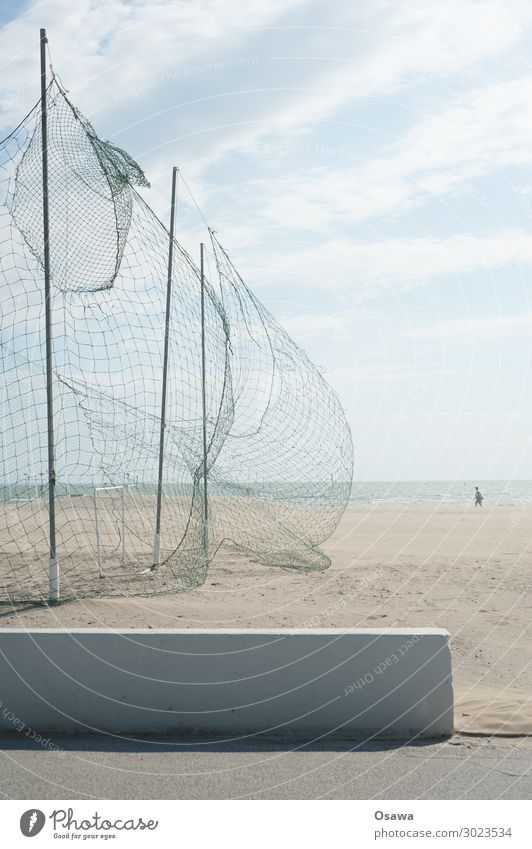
53 566
157 541
204 405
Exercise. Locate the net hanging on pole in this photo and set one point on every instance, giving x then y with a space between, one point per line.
279 453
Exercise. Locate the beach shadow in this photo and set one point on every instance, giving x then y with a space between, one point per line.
13 609
62 744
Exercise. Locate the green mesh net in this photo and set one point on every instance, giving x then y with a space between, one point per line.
279 452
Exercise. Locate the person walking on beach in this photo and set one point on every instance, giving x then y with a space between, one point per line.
479 498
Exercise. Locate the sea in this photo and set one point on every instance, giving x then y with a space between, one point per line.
390 494
417 494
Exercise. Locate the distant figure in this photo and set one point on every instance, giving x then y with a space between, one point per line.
479 498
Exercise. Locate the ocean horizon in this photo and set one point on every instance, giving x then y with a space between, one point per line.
443 493
415 494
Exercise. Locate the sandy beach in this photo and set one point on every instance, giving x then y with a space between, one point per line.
465 570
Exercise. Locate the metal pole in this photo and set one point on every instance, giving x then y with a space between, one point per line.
123 527
157 541
53 567
204 404
97 526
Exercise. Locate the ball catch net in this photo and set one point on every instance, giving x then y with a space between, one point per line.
279 453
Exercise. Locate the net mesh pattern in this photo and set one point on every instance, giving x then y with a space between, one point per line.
279 452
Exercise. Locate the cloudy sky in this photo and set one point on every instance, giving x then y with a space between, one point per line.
368 166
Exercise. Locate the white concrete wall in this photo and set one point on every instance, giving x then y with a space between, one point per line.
393 683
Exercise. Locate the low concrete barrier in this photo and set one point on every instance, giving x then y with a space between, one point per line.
346 683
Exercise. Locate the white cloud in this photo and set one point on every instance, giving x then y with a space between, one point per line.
365 267
470 328
317 323
438 155
104 50
108 46
377 375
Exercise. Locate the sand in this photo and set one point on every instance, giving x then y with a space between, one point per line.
465 570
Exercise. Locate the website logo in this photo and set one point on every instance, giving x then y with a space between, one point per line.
32 822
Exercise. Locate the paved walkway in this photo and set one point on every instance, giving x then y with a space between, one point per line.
166 768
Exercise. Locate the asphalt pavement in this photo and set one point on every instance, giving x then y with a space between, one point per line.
173 768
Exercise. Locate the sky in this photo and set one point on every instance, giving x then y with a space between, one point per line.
368 167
